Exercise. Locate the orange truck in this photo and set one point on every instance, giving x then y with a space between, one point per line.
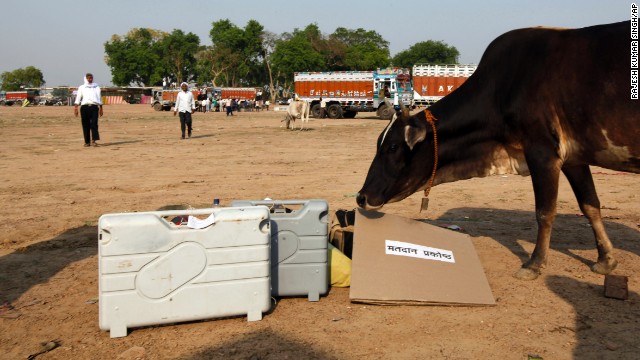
348 92
239 93
432 82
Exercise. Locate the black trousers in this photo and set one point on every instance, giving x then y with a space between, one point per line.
89 115
185 121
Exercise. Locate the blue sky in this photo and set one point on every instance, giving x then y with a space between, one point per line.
65 38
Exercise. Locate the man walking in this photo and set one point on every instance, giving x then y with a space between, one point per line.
323 108
185 105
90 101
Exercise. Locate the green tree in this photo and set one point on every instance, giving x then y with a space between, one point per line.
427 52
135 57
254 53
28 77
236 57
309 50
297 54
299 51
365 50
178 54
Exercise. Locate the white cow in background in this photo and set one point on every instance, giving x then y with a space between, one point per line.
298 109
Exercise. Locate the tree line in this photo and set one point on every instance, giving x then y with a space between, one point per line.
253 56
249 56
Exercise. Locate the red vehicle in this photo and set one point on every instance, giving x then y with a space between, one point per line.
432 82
240 93
18 97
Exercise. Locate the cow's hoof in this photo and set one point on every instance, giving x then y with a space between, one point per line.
526 274
604 267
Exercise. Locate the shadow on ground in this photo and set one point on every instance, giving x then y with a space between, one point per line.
35 264
604 328
511 227
263 345
115 143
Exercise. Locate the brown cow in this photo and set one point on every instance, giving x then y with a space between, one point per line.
542 101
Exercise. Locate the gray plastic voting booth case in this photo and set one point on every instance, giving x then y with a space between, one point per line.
152 271
299 237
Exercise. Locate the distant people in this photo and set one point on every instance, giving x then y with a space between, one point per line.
323 108
164 84
185 105
90 101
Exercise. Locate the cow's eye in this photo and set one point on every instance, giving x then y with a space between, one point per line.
393 147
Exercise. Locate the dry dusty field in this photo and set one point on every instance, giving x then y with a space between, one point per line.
53 190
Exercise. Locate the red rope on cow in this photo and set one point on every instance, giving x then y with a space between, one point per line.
432 120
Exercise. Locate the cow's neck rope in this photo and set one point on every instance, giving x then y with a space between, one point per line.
432 120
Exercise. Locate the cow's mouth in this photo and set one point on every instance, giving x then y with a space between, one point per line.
361 199
372 208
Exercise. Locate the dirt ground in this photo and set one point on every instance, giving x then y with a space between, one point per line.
53 190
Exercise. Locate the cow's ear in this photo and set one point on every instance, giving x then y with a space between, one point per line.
414 132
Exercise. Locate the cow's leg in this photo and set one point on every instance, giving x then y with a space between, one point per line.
582 184
545 173
305 115
291 121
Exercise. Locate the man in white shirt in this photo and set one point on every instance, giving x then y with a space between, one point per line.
185 105
205 105
323 108
90 101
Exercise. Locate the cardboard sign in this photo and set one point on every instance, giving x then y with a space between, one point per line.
399 261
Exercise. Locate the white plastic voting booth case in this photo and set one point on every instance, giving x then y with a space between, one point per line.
152 271
299 238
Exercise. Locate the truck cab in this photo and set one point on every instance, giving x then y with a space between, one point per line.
398 82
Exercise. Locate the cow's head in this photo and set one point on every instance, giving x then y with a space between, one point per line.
403 162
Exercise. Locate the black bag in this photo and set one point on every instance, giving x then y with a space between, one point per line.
341 231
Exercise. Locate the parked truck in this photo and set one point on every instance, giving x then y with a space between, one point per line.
348 92
432 82
18 97
166 99
238 93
